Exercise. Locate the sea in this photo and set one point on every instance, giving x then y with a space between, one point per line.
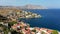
50 19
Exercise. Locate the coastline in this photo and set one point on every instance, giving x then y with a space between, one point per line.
43 29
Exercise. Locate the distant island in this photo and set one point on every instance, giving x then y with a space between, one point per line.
28 6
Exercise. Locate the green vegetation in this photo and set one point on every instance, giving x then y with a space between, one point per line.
20 32
4 29
34 30
11 24
42 32
55 32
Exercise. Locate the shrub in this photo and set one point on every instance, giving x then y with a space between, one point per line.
55 32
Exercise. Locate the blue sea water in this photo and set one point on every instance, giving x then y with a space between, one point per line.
50 19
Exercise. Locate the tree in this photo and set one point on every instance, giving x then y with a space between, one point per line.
11 24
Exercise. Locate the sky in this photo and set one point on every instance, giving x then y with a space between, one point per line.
45 3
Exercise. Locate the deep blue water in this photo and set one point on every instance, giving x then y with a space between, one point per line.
50 19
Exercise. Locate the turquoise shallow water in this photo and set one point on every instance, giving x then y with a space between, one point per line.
50 19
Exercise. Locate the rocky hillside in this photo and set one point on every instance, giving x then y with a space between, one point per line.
33 7
5 11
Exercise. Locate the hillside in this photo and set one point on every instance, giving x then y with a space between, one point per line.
29 6
5 11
